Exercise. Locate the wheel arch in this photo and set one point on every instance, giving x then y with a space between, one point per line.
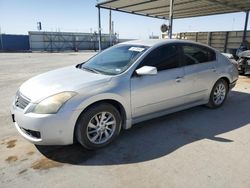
226 79
118 105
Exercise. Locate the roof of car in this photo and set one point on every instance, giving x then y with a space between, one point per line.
158 42
152 42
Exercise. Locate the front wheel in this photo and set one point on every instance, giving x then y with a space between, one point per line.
98 126
218 94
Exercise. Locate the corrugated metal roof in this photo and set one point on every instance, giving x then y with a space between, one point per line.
182 8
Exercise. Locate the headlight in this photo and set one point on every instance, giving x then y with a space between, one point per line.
52 104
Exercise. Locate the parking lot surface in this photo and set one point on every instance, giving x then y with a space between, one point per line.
198 147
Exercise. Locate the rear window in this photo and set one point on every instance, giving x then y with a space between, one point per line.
194 54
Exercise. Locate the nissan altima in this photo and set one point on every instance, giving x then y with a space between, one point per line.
128 83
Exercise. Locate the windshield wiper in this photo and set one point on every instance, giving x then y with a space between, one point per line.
78 66
91 70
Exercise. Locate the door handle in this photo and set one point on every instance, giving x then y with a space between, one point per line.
178 79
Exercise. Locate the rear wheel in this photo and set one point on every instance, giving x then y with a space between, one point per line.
218 94
98 126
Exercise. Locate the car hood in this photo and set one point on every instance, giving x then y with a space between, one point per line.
56 81
245 54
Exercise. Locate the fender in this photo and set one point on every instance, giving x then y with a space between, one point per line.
108 96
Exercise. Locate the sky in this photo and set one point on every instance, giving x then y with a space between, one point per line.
21 16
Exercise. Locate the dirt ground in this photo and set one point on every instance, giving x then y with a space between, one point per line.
194 148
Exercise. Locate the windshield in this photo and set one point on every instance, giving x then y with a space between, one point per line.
114 60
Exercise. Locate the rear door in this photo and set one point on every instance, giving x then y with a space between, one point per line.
200 71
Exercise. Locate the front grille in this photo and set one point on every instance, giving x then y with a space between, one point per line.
21 101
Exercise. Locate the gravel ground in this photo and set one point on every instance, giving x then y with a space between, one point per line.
198 147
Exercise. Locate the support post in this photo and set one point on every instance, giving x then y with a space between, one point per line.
209 36
196 36
110 27
245 27
1 39
171 19
99 29
226 42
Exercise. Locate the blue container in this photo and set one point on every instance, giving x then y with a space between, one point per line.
14 43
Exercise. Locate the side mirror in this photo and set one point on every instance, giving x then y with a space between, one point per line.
146 70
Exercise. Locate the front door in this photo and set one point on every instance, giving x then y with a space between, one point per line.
153 93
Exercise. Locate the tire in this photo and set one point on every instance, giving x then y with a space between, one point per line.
242 72
216 100
98 126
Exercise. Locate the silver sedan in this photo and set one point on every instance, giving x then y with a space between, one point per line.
123 85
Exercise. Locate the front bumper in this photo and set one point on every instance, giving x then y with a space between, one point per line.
45 129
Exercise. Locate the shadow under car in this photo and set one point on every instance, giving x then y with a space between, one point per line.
159 137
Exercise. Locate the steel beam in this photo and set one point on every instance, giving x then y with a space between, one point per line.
106 2
136 4
1 39
209 36
99 29
171 7
226 42
110 28
165 6
245 27
118 10
226 4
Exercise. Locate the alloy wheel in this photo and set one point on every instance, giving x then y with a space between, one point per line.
101 127
219 94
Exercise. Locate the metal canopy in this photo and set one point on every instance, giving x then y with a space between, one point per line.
181 8
174 9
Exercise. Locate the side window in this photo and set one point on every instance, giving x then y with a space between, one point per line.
165 57
197 54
